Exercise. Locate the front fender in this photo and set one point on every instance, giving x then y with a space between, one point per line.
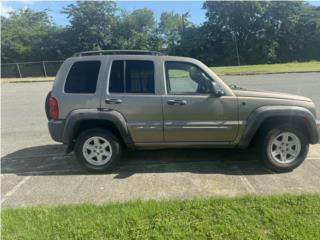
257 117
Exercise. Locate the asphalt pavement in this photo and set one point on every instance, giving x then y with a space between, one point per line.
34 169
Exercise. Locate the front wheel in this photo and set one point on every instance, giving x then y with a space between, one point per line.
98 150
284 148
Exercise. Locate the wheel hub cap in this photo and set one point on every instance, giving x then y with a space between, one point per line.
97 151
285 147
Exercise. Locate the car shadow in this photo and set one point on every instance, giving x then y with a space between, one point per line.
52 160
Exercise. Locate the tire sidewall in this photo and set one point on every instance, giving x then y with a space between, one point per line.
115 145
281 167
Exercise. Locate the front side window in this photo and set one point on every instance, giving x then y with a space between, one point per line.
186 78
132 76
82 77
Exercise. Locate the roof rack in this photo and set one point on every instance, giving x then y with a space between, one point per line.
117 52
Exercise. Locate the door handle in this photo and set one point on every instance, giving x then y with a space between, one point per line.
113 101
177 102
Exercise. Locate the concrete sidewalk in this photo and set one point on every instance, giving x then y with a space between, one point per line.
42 175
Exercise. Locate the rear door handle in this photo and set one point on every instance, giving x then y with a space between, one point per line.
113 101
177 102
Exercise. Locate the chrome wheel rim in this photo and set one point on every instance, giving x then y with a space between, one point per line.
285 147
97 151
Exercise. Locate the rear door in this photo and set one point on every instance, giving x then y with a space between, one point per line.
191 112
133 90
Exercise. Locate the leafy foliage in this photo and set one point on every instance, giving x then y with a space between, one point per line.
25 35
255 31
91 24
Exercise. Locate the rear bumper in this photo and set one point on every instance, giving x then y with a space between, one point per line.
56 128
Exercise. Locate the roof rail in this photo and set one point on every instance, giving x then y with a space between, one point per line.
117 52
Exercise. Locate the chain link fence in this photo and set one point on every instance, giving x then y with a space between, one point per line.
30 69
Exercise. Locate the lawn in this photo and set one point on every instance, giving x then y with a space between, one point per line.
270 68
251 217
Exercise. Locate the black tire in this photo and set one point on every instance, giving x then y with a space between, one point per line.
107 135
46 106
265 148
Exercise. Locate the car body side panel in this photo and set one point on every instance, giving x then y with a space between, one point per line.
203 118
249 104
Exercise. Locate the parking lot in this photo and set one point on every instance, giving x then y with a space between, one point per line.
34 169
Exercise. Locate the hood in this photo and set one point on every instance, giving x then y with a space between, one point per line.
260 94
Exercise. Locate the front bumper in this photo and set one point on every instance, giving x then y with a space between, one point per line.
56 128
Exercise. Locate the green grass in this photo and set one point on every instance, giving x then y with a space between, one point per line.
270 68
273 217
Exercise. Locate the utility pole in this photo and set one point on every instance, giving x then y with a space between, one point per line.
184 16
236 46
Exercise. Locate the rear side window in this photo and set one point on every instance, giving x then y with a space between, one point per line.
132 76
116 84
83 77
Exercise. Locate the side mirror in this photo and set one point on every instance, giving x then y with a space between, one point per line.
216 90
219 93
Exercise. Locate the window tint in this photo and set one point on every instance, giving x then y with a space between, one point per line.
138 77
82 77
187 78
116 84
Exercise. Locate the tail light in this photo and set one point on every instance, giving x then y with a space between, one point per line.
54 109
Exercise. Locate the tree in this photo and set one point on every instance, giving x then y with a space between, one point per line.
297 30
265 32
171 27
25 34
91 24
242 25
135 30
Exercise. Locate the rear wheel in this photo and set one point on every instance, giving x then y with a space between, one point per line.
98 150
284 148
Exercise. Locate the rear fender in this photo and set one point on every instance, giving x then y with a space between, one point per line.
75 118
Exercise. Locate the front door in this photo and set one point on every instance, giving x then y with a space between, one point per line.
191 112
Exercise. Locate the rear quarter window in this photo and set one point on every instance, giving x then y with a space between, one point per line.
82 77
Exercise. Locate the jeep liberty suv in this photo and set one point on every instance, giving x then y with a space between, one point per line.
103 102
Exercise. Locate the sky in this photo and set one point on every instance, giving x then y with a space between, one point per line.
55 7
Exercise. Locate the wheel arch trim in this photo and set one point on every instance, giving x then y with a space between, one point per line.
258 116
77 116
